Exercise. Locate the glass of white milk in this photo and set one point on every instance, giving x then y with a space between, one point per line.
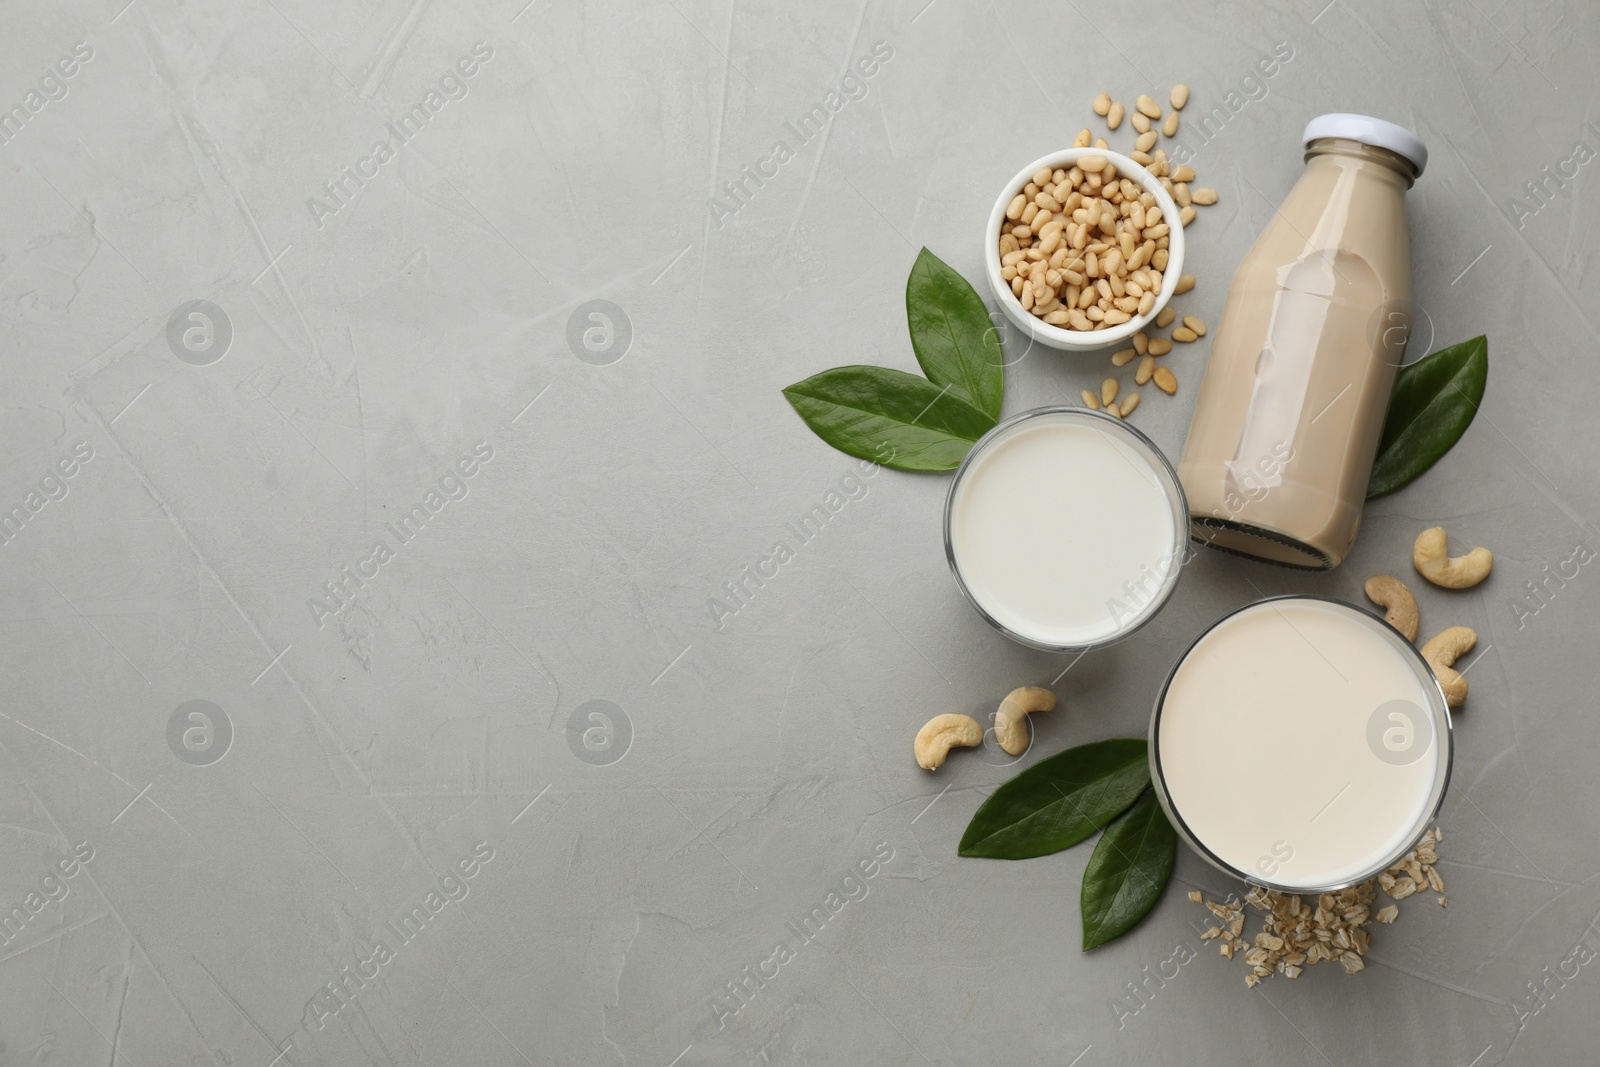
1066 528
1301 744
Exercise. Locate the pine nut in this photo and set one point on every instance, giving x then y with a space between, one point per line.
1180 96
1114 411
1158 259
1146 141
1141 158
1029 212
1102 103
1091 164
1139 122
1165 380
1180 193
1057 318
1116 317
1183 174
1080 321
1147 300
1183 334
1170 127
1100 142
1123 358
1114 115
1147 106
1083 138
1147 367
1108 390
1017 285
1091 401
1008 244
1128 403
1041 176
1186 215
1014 209
1185 283
1165 318
1204 197
1141 343
1160 346
1198 325
1007 273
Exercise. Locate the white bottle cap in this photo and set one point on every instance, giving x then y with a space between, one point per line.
1368 130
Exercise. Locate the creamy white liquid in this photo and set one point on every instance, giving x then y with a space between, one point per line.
1269 753
1063 531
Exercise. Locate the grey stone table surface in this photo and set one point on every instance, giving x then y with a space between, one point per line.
309 418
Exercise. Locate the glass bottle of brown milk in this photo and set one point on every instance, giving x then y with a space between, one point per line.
1304 357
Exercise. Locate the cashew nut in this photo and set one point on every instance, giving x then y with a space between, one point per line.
1452 572
1011 721
941 734
1387 591
1450 645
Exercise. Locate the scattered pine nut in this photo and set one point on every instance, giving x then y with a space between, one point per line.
1160 346
1102 104
1165 380
1114 411
1146 141
1195 323
1186 215
1204 197
1123 358
1091 401
1083 138
1183 174
1100 142
1184 334
1114 115
1144 159
1139 121
1165 318
1147 106
1141 342
1185 283
1128 403
1108 390
1147 367
1180 96
1170 127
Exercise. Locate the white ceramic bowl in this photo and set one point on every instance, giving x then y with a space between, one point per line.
1079 340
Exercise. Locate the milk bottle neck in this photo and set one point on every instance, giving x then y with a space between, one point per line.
1332 151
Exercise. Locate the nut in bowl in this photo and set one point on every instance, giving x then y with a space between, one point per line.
1102 264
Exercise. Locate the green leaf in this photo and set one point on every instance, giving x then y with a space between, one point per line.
1128 872
1434 401
955 341
1059 801
890 417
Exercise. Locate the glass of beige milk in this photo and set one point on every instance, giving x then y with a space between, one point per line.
1301 744
1066 528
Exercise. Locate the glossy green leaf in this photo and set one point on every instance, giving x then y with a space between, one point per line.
889 416
1059 801
955 341
1128 872
1434 401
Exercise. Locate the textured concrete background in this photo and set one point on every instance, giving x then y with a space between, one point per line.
529 710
